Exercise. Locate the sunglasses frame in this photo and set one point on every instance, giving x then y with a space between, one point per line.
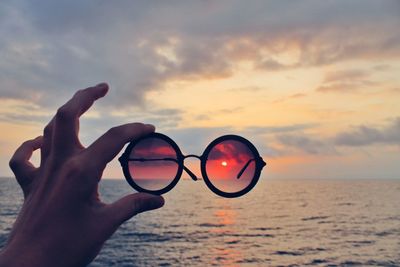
259 162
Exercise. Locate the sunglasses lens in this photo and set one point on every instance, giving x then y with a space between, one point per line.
230 166
153 164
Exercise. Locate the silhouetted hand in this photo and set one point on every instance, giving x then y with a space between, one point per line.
62 221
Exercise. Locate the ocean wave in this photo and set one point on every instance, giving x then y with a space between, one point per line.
313 218
265 228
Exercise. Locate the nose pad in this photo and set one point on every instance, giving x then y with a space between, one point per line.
191 174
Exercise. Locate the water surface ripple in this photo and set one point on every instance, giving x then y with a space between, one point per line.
279 223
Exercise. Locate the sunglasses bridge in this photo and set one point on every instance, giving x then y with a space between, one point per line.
187 170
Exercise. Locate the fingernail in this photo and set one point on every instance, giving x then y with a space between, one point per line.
102 85
156 202
151 126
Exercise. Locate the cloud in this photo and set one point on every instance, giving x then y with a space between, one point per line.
22 112
346 75
306 143
208 116
264 130
286 98
338 87
361 136
272 65
346 81
250 89
298 95
195 139
52 49
367 135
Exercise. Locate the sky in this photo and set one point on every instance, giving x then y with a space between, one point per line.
314 85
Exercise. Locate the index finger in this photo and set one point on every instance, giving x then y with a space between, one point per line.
66 121
105 148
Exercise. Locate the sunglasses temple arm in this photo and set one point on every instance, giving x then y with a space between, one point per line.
244 168
191 174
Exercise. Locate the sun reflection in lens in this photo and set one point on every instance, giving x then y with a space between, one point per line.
224 163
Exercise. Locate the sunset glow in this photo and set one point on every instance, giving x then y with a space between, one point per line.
200 133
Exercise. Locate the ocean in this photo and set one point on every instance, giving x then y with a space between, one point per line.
279 223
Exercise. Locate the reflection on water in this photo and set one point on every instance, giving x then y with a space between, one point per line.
279 223
225 217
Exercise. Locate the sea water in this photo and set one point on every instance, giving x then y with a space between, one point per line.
279 223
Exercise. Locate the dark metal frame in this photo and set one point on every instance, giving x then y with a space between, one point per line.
124 160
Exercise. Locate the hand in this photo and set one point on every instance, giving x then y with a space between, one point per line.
62 221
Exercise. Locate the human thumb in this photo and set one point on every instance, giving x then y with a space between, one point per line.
130 205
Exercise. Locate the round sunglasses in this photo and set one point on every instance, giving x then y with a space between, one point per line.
230 165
